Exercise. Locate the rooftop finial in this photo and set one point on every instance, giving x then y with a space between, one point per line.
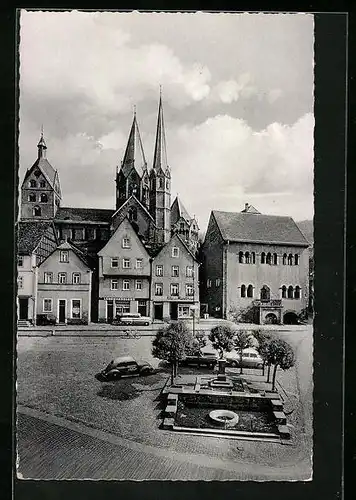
41 145
134 110
42 130
160 91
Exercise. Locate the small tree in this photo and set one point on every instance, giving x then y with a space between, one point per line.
263 338
171 343
198 342
242 340
279 353
221 338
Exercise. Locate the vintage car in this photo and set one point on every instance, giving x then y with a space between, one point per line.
202 358
250 358
124 366
132 319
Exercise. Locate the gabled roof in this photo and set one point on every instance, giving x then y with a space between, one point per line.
66 245
124 221
29 234
250 209
178 210
71 214
45 167
258 228
134 157
138 203
176 236
160 152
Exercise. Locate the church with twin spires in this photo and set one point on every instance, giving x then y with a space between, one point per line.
143 204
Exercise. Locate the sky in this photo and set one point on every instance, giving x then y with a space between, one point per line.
237 92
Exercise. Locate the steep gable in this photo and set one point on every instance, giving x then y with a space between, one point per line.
114 246
133 209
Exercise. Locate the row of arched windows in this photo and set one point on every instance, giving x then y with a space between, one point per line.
246 291
268 258
43 197
290 292
33 183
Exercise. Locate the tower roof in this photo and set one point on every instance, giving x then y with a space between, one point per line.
178 210
160 152
134 156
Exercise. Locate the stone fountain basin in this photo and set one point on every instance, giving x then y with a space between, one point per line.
225 418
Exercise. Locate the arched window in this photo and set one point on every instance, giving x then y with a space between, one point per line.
32 183
241 257
263 258
296 259
275 259
253 258
265 293
269 258
247 258
133 214
32 197
284 292
250 291
290 292
43 198
284 259
297 292
42 184
243 290
160 182
37 211
290 259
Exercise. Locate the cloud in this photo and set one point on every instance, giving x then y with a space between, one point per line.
228 91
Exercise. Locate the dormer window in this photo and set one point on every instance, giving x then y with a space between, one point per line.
32 197
32 183
43 198
37 211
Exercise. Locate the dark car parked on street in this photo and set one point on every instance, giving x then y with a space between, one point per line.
124 366
208 359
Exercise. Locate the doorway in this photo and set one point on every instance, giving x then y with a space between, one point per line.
23 308
61 311
110 311
174 310
158 311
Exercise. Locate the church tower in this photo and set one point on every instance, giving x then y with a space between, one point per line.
40 190
132 177
160 182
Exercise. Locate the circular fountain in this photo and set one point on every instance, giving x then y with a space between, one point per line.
225 418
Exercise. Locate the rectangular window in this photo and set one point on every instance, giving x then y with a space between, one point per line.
189 289
126 285
62 278
139 263
126 243
175 289
217 282
159 270
175 271
159 289
126 263
114 285
76 309
48 277
183 311
208 283
47 305
76 278
114 262
64 256
138 285
189 272
20 260
20 282
175 252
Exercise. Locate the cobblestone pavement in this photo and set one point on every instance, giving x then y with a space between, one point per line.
52 448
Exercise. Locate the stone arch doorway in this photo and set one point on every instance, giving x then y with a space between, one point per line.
290 318
271 319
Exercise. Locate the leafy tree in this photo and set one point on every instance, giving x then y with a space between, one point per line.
263 338
198 342
242 340
279 353
221 338
171 344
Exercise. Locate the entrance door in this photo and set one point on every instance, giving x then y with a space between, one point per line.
158 311
62 311
23 308
142 307
174 310
110 310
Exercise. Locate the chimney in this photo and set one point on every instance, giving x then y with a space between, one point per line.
246 207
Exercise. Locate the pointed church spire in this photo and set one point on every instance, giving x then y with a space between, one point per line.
134 156
41 146
160 153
